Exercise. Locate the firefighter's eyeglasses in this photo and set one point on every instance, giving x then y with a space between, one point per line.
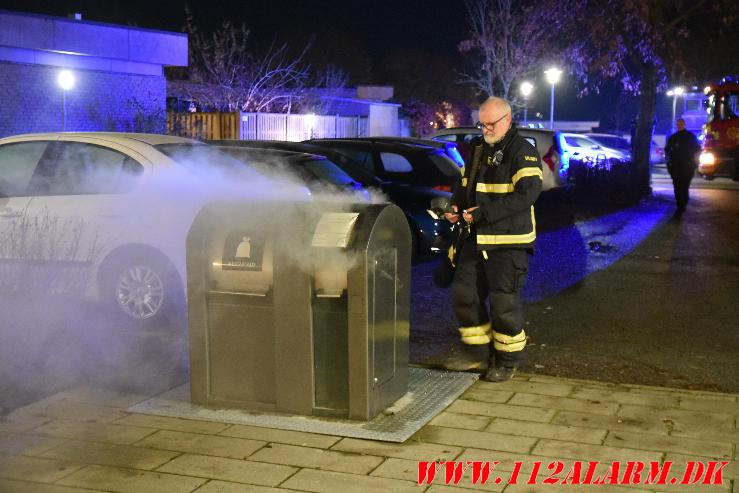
489 126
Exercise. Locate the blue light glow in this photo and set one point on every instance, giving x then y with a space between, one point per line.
565 256
564 154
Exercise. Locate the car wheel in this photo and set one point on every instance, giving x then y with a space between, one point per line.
143 289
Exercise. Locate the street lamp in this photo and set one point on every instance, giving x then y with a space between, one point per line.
66 82
552 77
678 91
526 88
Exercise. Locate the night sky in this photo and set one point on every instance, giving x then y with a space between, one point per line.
363 38
378 26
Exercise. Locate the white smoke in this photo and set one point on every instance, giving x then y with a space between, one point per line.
49 258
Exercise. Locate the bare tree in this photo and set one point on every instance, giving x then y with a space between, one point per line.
273 77
422 116
227 73
331 77
640 44
327 84
216 65
507 40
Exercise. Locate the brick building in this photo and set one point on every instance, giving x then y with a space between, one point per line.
118 75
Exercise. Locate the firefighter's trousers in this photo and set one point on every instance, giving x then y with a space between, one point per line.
682 175
497 276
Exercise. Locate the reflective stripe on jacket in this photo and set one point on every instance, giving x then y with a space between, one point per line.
505 189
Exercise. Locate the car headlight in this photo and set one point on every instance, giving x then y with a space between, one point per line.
707 159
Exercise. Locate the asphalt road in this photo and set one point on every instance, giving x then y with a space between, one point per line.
665 314
662 310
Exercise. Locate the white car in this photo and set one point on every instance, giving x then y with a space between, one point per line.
656 153
584 148
106 215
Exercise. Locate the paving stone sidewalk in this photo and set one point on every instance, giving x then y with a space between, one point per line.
83 440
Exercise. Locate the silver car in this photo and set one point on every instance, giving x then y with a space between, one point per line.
589 149
548 143
105 215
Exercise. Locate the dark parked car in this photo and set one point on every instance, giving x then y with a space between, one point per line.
399 162
430 235
449 148
318 172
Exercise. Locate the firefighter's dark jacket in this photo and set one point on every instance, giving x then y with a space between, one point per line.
681 148
505 191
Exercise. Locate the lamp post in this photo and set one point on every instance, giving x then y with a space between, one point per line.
678 91
66 82
552 77
526 88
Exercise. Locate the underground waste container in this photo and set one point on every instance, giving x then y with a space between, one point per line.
299 308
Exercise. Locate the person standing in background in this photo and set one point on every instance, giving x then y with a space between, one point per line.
681 150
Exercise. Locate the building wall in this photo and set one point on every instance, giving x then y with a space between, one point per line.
383 120
31 101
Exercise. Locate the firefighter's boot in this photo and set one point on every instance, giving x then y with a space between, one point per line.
467 358
499 374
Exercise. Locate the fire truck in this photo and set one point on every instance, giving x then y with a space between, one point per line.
720 155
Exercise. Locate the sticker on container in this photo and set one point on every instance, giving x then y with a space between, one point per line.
243 250
334 229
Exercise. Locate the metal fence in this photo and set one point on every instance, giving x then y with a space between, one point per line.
274 126
264 126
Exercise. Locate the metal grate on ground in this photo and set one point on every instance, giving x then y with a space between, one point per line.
429 393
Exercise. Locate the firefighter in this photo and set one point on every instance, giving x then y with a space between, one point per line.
501 181
681 149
